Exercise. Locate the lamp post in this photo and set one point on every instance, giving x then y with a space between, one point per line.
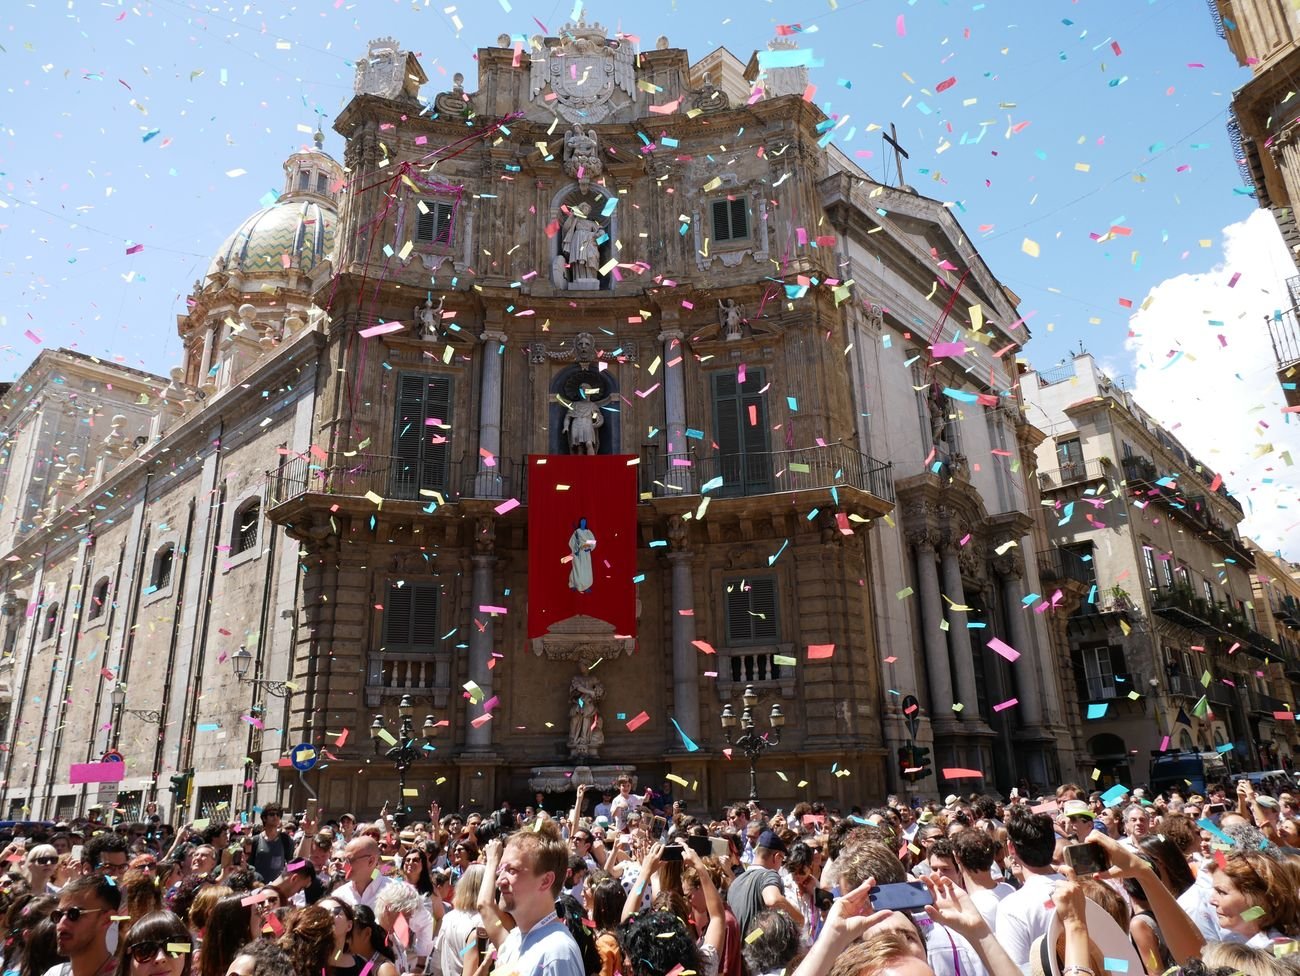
118 698
749 740
242 659
405 753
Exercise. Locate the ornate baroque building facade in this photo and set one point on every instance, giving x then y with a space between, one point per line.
813 373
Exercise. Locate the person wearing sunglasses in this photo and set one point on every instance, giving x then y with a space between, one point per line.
159 945
82 923
40 864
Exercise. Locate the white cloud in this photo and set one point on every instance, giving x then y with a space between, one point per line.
1214 385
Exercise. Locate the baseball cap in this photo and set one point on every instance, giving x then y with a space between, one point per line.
769 840
1077 808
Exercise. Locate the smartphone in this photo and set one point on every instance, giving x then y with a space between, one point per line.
658 825
702 846
903 897
1087 858
721 847
671 853
1215 809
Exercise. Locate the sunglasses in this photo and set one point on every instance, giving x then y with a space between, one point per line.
72 914
143 952
47 860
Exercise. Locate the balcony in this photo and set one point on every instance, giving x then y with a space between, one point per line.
424 675
1139 471
1108 687
1220 694
399 479
1264 704
1181 686
1059 565
765 473
1072 473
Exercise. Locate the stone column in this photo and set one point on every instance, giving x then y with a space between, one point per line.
686 682
675 408
480 638
488 483
1030 669
936 645
959 636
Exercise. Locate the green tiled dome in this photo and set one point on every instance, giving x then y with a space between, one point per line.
302 229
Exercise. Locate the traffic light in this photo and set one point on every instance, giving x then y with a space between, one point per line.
921 759
906 765
180 788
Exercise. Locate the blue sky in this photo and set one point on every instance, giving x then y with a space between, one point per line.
1093 129
122 123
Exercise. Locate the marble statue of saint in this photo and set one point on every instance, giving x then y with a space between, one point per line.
581 545
582 427
429 315
732 317
937 402
580 234
586 728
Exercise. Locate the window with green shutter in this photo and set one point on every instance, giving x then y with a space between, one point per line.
740 431
421 436
730 219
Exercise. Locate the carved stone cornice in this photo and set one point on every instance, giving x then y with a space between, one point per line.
583 639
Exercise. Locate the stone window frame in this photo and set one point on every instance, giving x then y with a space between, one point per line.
254 552
51 614
152 592
731 252
441 654
728 687
97 613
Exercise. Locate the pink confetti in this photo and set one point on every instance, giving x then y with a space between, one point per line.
1006 650
382 329
508 505
638 721
1006 704
944 85
32 335
1236 277
900 26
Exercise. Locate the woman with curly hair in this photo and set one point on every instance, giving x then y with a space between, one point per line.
342 961
141 898
655 943
310 939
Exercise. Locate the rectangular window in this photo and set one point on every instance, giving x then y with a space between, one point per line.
740 431
1101 667
730 219
1149 562
433 226
1183 576
1167 568
1208 587
1069 454
751 611
304 180
421 432
1125 449
411 617
214 802
322 184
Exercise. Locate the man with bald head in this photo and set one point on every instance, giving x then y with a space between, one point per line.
364 880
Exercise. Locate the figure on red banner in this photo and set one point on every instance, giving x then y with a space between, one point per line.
581 543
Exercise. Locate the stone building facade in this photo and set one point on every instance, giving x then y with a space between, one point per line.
813 373
1167 648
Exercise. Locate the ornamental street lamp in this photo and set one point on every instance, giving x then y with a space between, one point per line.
749 740
118 698
242 659
405 753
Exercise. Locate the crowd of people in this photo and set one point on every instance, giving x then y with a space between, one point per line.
1076 883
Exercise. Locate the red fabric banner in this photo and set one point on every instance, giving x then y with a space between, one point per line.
564 489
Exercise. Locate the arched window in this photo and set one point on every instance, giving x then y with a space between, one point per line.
162 567
248 519
51 626
98 598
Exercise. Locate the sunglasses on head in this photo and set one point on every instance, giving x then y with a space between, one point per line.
143 952
72 914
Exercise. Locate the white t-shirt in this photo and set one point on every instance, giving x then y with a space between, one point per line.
1024 915
622 806
986 900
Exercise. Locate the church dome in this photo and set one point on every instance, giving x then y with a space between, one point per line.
301 228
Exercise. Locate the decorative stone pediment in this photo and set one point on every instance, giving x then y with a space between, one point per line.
562 779
583 639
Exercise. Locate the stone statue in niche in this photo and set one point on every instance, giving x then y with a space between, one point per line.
429 315
582 427
580 235
937 403
586 727
732 318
